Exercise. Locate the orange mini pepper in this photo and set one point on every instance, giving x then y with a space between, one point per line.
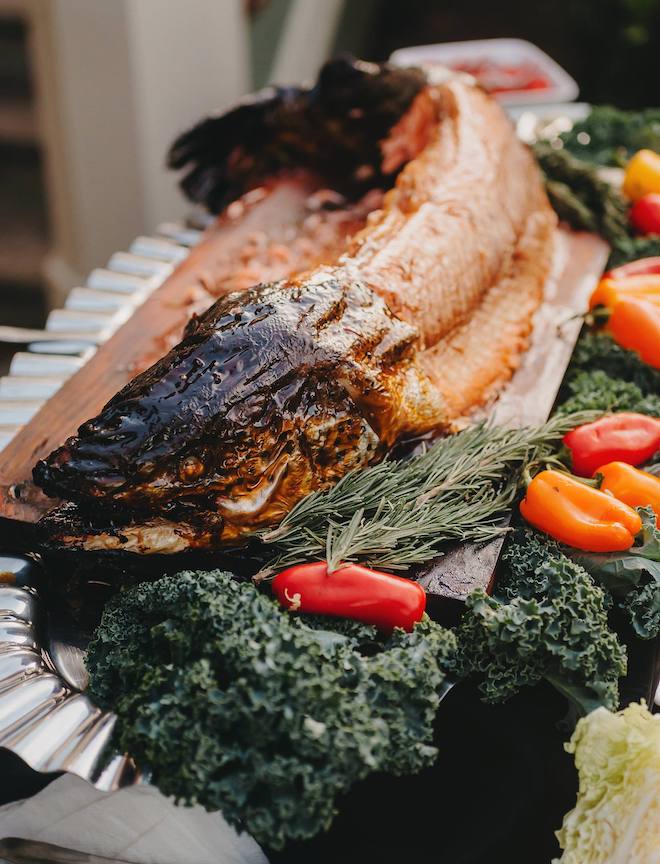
609 291
634 487
579 515
642 174
635 325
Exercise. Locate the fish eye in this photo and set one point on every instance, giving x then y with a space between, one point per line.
190 468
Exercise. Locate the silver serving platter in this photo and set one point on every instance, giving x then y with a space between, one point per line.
45 717
44 720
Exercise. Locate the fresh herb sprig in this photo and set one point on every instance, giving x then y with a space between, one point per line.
397 514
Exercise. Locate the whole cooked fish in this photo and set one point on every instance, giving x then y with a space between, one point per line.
283 388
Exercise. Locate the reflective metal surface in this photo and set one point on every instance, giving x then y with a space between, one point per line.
44 718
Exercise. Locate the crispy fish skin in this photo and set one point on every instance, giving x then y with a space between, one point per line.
281 390
451 226
273 393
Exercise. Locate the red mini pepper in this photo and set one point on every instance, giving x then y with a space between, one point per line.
641 267
645 214
634 487
352 591
622 437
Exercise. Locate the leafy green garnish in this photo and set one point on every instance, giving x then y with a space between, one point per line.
598 391
548 621
600 351
579 196
633 575
240 707
609 136
625 249
577 191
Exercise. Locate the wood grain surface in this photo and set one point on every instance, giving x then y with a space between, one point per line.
579 259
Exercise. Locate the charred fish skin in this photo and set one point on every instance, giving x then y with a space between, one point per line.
334 127
273 393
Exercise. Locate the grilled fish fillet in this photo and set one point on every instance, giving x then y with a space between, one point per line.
280 390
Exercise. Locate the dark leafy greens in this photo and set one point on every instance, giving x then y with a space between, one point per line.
548 620
579 196
609 136
577 191
604 376
588 391
633 576
238 706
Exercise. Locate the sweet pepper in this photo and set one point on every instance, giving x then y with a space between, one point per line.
635 325
645 214
351 591
622 437
579 515
642 174
634 487
642 266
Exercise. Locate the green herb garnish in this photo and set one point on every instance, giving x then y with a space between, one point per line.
397 514
609 136
238 706
547 620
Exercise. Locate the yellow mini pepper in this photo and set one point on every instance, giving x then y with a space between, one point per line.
579 515
642 174
634 487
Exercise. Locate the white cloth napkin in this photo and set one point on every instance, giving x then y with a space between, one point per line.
136 824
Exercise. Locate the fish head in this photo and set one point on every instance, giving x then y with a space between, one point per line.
264 400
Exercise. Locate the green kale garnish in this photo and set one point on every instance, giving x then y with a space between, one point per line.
625 249
609 136
236 705
633 576
597 351
643 610
549 621
587 391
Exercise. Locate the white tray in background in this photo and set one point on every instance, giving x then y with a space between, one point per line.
562 87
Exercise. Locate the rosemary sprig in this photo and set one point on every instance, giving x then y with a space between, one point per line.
397 514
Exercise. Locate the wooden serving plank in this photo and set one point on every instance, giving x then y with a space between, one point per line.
579 261
134 346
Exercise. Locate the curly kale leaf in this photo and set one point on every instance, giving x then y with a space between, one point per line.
598 351
598 391
625 249
609 136
632 576
643 609
549 622
237 706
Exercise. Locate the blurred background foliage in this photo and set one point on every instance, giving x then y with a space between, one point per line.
611 47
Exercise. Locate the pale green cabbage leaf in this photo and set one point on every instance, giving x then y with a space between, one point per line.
616 819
